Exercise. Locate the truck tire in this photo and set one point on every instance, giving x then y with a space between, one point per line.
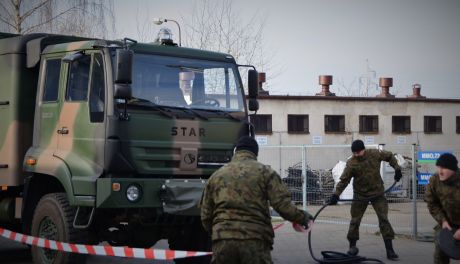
192 238
53 219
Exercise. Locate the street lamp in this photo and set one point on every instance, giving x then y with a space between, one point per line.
159 21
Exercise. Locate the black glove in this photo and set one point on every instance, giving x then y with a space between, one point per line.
334 199
308 218
398 175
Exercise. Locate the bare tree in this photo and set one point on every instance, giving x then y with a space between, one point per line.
75 17
217 26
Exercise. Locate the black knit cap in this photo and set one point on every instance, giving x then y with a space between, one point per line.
447 161
248 143
357 145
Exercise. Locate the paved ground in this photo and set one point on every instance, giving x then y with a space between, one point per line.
291 247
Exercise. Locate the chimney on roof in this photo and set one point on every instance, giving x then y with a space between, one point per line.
416 92
325 81
385 83
261 81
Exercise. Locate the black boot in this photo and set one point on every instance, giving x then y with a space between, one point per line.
390 252
353 251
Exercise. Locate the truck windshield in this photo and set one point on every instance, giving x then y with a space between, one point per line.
188 83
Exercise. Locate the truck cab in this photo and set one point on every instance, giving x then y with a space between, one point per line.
118 138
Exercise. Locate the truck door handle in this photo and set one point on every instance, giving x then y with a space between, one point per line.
63 131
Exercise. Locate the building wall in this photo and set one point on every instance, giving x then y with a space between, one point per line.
352 109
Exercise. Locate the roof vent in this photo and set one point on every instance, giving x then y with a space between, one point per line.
262 79
325 81
386 83
416 92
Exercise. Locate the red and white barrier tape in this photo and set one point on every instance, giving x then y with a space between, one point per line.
278 226
127 252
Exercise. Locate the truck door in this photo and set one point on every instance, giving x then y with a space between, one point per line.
81 123
47 118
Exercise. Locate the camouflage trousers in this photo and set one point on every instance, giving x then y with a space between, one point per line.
234 251
439 256
357 210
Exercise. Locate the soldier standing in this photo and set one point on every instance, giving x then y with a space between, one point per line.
364 168
443 199
235 207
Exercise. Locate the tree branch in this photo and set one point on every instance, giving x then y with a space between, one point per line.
32 10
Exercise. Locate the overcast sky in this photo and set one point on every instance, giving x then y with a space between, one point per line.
413 41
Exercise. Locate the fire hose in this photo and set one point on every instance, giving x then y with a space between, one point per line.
339 257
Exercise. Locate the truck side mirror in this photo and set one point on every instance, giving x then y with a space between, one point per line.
124 66
122 91
253 84
253 104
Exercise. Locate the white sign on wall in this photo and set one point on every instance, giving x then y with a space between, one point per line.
262 140
369 140
317 140
401 140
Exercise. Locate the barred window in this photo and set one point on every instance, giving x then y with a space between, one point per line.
458 124
298 124
368 124
262 123
433 124
401 124
334 123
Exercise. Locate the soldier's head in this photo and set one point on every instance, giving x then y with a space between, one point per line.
357 147
447 166
247 143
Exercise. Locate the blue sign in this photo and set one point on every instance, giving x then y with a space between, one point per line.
423 178
430 156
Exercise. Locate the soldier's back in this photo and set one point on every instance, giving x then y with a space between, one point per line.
241 200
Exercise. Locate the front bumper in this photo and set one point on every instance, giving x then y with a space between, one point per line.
174 196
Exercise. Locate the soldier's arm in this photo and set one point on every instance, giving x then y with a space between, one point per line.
433 202
280 199
345 179
390 158
207 208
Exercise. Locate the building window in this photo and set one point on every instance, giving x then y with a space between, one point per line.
298 124
433 124
368 124
334 123
401 124
458 124
262 123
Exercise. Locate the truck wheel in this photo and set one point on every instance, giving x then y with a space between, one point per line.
53 219
192 238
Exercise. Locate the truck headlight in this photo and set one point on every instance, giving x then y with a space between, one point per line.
133 193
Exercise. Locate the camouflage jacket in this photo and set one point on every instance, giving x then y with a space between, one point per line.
365 172
443 199
235 202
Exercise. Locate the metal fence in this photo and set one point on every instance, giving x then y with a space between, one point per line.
309 173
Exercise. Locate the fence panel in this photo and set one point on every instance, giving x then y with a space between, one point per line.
308 173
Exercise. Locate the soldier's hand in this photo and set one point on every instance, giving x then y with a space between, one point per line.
457 234
445 225
334 199
398 175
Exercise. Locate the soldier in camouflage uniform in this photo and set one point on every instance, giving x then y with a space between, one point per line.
364 168
443 199
235 207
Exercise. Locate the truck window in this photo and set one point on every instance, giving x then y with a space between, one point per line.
78 79
53 69
97 90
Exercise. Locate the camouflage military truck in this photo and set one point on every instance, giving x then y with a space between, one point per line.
113 140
